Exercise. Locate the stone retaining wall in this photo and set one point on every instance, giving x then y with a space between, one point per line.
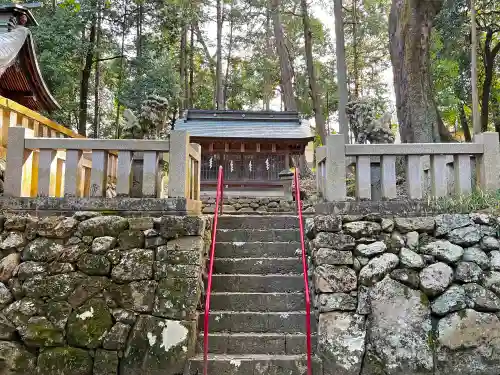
407 295
99 295
255 205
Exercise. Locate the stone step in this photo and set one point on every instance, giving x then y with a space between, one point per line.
255 343
254 364
259 266
257 235
258 283
256 249
251 321
231 301
258 222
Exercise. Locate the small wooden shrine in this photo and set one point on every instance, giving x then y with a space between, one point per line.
253 147
20 76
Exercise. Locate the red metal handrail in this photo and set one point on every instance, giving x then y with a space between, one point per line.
218 199
306 278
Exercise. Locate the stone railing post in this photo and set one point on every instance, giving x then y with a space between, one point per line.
196 170
178 164
18 159
488 165
286 178
335 184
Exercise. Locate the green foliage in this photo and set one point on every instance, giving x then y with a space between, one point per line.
451 57
474 202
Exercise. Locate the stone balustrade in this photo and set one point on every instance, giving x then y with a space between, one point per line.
90 165
434 159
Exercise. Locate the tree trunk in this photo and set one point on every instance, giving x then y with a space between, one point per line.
355 57
219 94
463 123
182 67
139 32
191 69
285 68
410 26
489 55
120 73
495 106
85 78
341 68
97 74
267 67
313 85
229 52
485 97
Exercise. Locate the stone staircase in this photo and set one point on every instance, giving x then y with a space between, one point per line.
257 317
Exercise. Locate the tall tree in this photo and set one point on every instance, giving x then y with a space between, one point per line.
286 81
341 68
219 93
97 73
313 85
410 28
490 50
85 75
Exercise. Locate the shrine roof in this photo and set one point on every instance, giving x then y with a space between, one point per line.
244 124
21 78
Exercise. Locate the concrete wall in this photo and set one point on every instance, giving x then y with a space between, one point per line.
99 295
401 295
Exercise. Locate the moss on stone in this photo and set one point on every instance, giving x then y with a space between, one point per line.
65 361
424 300
462 314
88 325
431 340
40 332
177 298
93 264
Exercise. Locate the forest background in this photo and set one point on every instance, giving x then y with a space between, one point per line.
160 57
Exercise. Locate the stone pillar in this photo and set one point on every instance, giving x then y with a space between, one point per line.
286 178
335 168
18 160
488 166
178 167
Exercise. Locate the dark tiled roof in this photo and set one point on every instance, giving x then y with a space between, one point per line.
244 124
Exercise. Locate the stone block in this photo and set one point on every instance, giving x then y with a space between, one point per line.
136 264
64 361
105 362
177 298
88 324
158 347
